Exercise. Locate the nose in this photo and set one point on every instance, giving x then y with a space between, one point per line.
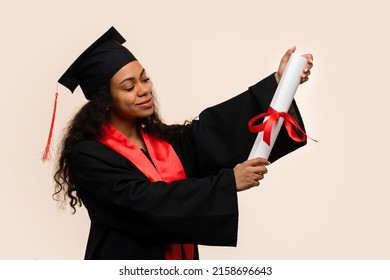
144 89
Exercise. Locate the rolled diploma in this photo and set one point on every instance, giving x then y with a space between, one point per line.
281 102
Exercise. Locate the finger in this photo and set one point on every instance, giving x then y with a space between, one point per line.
308 67
257 161
309 57
258 169
258 177
288 53
263 170
304 80
292 50
305 75
256 183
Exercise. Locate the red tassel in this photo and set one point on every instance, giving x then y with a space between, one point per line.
46 154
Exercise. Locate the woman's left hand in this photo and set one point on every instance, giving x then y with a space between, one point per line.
283 62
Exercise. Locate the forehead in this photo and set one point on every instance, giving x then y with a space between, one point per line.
130 70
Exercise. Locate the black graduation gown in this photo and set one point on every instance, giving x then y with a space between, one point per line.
132 218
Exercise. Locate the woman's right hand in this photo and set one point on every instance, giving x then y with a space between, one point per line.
249 173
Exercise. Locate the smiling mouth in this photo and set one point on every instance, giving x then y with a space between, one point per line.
148 102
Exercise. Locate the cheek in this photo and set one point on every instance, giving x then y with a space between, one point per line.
122 107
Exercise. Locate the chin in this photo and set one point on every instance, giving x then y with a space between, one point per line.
147 114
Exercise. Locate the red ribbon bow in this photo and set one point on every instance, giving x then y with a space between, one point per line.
274 116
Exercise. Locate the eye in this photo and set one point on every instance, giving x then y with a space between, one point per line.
146 80
129 89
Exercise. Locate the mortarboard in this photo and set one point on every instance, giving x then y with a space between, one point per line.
97 64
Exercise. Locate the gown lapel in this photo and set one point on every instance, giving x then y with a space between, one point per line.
165 166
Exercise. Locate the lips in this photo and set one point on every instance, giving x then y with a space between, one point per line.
146 103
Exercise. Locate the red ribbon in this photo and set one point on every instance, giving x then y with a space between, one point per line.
274 116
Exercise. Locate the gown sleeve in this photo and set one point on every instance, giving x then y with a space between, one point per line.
118 196
220 137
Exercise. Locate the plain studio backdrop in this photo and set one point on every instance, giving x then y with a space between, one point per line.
328 200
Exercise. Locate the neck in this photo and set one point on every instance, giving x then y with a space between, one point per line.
129 129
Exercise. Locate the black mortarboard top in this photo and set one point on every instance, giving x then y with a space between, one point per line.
97 64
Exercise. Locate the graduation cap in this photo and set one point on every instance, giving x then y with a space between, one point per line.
97 64
93 69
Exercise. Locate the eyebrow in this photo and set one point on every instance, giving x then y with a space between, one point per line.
132 78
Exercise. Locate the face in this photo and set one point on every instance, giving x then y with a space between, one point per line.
131 93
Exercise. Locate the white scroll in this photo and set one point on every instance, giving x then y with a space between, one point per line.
281 102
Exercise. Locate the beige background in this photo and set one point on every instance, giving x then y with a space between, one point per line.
329 200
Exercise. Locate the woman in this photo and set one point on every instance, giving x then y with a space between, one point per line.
154 191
